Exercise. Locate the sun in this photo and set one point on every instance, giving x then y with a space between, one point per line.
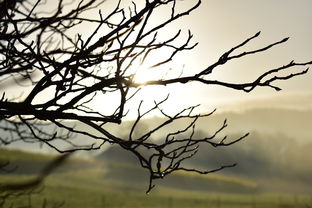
150 93
154 67
144 74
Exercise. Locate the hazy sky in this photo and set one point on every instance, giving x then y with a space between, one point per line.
218 25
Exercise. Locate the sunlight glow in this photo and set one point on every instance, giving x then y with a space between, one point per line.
144 74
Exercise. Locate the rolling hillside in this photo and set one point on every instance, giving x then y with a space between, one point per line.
112 180
276 157
121 166
272 163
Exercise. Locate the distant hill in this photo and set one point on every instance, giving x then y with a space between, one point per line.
265 164
121 166
26 163
272 163
287 122
289 116
275 162
276 156
121 171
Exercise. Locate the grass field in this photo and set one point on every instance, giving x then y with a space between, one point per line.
88 187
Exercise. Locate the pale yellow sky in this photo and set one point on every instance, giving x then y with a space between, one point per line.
218 25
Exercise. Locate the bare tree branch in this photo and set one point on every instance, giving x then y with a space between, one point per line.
62 73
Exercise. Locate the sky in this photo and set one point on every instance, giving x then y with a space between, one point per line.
218 25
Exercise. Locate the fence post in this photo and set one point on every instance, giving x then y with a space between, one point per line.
103 202
295 200
218 202
253 201
170 202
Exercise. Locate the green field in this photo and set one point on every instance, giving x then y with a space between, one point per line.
86 185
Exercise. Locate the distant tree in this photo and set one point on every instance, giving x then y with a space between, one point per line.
61 71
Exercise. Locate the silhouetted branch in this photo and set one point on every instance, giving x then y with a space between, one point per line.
61 74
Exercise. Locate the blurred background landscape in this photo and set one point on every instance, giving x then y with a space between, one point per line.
273 165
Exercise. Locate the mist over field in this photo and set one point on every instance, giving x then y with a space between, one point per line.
274 158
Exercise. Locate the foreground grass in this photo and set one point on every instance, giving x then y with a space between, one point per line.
88 188
83 184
